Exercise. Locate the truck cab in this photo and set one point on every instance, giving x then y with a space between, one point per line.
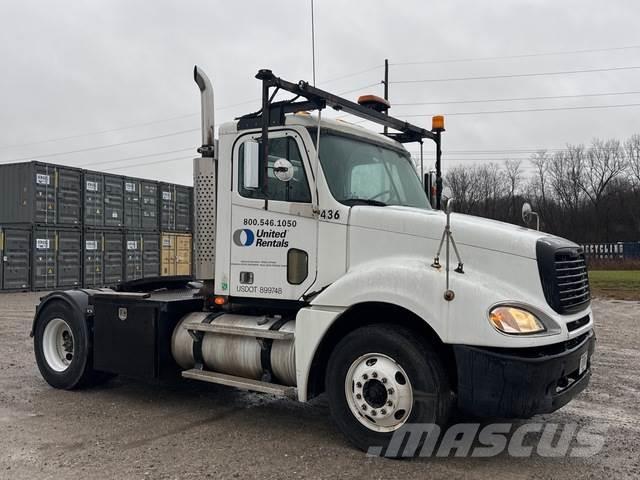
322 270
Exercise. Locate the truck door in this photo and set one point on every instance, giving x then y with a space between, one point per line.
273 233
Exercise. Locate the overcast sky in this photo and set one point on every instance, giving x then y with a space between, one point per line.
74 68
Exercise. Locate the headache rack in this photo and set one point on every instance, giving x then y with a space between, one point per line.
273 114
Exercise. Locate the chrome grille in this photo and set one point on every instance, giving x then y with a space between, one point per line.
563 274
572 280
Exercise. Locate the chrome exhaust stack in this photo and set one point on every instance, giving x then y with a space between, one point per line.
204 188
206 107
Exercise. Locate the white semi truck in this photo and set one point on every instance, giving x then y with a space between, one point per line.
317 254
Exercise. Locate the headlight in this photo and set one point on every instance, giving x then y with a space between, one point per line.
515 320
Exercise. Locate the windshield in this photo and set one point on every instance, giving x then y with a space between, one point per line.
360 172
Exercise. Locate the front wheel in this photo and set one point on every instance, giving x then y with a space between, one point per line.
381 377
63 348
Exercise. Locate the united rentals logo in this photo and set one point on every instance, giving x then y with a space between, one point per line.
243 237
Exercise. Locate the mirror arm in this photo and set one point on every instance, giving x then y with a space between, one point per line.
438 170
264 139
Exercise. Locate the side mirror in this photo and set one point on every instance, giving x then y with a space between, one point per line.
526 212
251 165
283 169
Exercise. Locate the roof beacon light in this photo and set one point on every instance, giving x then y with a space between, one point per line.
374 102
437 123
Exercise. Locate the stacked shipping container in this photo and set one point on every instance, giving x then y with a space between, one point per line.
63 227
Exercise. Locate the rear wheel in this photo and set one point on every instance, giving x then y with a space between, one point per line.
63 349
381 377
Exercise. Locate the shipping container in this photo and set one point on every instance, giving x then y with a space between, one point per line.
175 207
142 255
103 200
69 261
64 227
176 254
93 259
40 193
103 256
150 255
113 200
43 259
93 199
56 260
184 208
140 204
114 258
149 205
15 253
132 203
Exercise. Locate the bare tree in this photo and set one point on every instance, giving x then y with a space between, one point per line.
632 152
461 182
513 176
585 194
565 170
605 161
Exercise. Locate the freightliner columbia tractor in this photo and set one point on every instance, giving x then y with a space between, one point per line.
318 271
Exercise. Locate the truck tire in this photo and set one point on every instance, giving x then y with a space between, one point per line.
62 347
381 377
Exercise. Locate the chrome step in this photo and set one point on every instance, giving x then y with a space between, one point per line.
241 383
242 331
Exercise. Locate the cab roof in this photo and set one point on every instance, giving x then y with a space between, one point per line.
311 121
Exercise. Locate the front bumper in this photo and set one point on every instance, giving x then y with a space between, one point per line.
519 383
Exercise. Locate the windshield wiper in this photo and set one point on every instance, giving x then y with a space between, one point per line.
363 201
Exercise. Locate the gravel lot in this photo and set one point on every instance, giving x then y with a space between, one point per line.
127 429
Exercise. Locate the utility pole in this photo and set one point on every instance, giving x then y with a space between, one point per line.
386 88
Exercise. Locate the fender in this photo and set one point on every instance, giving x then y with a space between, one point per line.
77 299
412 283
408 282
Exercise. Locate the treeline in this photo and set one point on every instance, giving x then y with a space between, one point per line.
588 194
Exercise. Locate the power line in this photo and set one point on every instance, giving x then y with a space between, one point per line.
155 162
524 55
117 129
513 99
153 122
518 75
136 157
98 132
514 151
99 147
360 88
367 70
523 110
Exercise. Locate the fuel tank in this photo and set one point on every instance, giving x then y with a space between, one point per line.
238 355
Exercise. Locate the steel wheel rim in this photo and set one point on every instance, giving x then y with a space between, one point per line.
58 345
378 392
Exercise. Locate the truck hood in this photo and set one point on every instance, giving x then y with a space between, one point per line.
467 229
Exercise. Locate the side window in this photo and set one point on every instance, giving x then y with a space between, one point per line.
295 190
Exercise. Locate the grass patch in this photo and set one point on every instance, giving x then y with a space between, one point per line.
620 284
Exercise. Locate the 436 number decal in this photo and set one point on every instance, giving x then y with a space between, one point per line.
330 214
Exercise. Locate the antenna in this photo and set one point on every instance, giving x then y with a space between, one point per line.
313 45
